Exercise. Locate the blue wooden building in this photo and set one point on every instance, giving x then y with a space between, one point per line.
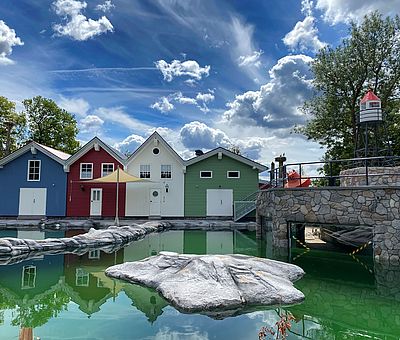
33 182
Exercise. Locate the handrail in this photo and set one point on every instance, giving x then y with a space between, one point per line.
330 176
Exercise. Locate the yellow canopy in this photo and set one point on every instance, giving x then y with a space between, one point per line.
119 176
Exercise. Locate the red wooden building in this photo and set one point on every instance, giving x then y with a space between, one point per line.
84 199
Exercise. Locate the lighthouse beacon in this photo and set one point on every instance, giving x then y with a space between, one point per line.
370 108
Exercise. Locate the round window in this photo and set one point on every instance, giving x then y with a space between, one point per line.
156 151
155 193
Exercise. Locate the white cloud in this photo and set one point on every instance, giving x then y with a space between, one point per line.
106 7
8 39
197 135
187 68
251 59
304 36
163 105
275 104
306 7
91 124
77 106
129 144
76 25
335 11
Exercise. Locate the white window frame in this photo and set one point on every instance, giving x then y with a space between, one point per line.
81 273
100 283
227 174
40 170
102 170
210 171
80 171
170 171
94 254
23 276
140 170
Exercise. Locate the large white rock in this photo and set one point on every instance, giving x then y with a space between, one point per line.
218 285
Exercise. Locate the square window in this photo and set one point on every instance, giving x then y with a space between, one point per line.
106 169
28 277
205 174
81 278
34 170
86 170
145 171
233 174
94 254
166 171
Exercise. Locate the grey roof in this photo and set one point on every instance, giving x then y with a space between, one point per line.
227 153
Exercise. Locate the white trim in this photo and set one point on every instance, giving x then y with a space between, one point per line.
227 153
170 172
40 170
83 274
23 276
80 171
94 254
227 174
206 176
102 171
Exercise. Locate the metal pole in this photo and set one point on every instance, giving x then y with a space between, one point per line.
117 197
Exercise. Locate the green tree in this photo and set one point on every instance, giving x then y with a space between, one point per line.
50 125
369 57
12 127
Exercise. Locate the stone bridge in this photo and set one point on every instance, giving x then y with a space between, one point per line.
373 206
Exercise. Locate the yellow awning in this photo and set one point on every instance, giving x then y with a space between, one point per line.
114 177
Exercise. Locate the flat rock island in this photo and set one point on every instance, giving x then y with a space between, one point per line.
216 285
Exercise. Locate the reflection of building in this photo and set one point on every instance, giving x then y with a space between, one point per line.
87 284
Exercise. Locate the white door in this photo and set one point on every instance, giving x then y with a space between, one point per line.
219 202
32 201
155 202
96 197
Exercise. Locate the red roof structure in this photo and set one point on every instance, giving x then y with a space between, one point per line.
369 96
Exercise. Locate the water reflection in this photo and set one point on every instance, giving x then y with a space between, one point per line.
343 297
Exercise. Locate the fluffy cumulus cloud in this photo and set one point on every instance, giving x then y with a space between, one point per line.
129 144
335 11
251 59
187 68
197 135
163 105
76 106
91 124
105 7
304 36
76 25
276 104
8 39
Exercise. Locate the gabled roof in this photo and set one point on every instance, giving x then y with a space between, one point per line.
54 154
230 154
89 146
369 96
155 134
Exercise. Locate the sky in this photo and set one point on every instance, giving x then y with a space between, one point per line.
203 73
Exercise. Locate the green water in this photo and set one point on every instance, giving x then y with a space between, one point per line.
68 296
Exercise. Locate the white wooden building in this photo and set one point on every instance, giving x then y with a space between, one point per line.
163 195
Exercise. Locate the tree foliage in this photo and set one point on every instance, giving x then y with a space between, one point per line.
12 126
50 125
368 58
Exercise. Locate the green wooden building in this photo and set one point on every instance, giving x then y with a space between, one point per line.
221 183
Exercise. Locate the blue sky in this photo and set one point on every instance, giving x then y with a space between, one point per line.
204 73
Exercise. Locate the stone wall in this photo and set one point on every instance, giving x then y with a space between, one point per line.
376 176
377 207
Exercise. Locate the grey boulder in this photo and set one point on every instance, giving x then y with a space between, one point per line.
217 285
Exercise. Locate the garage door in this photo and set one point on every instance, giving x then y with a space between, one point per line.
32 202
219 202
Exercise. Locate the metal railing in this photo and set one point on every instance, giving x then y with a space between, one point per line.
329 171
245 206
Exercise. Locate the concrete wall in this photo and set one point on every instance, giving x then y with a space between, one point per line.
377 207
